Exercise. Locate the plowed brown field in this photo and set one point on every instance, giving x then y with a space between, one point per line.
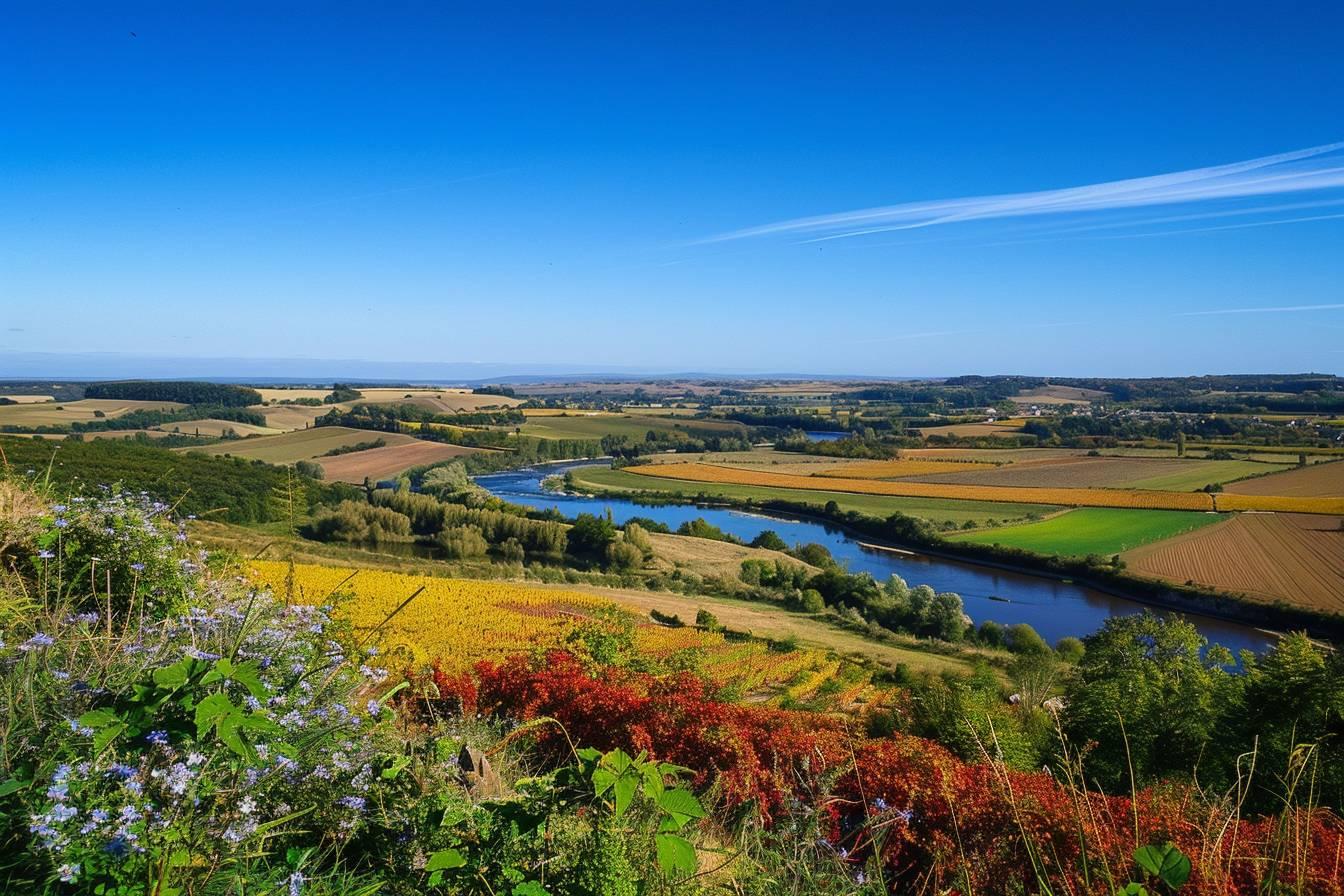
1298 558
382 463
1317 479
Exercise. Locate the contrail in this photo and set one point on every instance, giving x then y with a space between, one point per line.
1269 310
1314 168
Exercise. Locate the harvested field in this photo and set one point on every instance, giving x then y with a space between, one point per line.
292 394
1163 474
1075 497
385 463
82 411
217 428
896 469
304 444
991 455
1060 395
708 557
973 430
290 417
29 399
631 425
445 401
1292 557
1317 480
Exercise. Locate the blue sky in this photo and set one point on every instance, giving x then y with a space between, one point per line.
603 186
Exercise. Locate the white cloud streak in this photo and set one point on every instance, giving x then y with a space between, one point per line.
1312 169
1281 309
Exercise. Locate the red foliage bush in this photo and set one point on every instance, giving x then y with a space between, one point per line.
938 822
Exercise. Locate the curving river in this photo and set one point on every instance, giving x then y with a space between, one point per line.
1054 608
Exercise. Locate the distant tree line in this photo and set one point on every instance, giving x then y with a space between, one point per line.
220 394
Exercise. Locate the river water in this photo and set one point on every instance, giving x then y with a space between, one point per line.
1054 608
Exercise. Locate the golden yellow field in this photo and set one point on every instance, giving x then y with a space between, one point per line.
1077 497
460 622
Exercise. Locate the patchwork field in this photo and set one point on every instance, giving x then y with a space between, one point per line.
1163 474
1292 557
385 463
937 510
896 469
1317 479
29 399
1076 497
304 444
973 430
1093 530
631 425
82 411
290 417
217 428
444 401
1060 395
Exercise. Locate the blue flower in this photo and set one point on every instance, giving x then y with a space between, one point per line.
295 883
138 567
880 805
45 555
352 802
373 707
68 873
157 737
61 524
37 642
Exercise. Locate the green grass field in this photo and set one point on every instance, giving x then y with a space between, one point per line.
634 426
1093 530
934 509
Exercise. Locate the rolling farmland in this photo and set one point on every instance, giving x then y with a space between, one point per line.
1162 474
83 411
305 444
385 463
595 426
938 510
1078 497
1291 557
1315 480
1092 530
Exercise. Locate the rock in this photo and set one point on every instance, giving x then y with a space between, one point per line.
478 776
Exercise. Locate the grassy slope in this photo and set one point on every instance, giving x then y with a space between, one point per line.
302 444
935 509
1093 530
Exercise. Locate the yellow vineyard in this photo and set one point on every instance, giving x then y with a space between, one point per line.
1075 497
460 622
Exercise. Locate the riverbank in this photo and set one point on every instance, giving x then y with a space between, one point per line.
1270 618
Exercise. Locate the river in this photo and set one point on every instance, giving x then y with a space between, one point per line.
1054 608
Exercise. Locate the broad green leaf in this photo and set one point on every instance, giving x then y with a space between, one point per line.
1166 863
13 785
676 855
445 859
98 718
625 789
248 675
211 710
603 779
681 805
170 677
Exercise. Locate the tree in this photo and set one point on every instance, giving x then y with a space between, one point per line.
707 620
770 541
1022 638
590 535
623 556
1150 697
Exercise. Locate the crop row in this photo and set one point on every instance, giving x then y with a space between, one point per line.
1076 497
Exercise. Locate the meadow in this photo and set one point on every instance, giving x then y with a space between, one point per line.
1317 479
383 463
580 425
1150 473
1092 530
82 411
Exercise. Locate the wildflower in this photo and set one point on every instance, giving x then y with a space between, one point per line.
82 618
119 846
373 707
157 737
355 803
860 878
880 805
295 883
247 806
195 759
61 524
37 642
138 567
68 873
45 555
124 772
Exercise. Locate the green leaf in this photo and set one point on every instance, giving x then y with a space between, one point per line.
171 677
530 888
98 718
603 779
211 711
445 859
1167 863
396 768
626 788
681 806
248 675
13 785
676 855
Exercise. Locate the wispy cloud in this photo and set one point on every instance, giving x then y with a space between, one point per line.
1304 170
1274 309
